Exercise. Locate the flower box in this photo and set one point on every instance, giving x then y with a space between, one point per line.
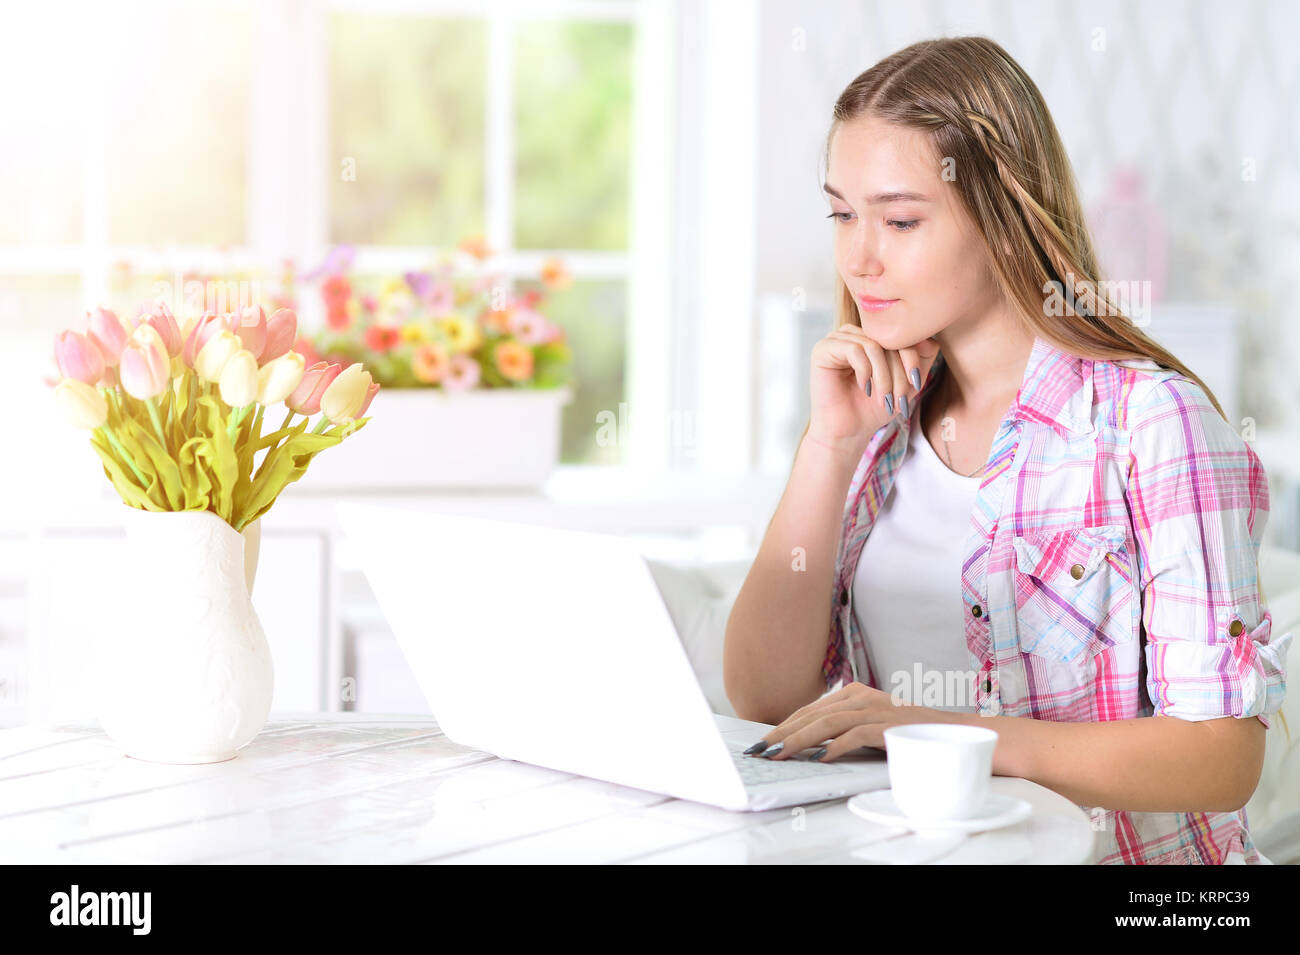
429 438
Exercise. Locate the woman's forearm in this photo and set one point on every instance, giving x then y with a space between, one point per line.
777 632
1147 764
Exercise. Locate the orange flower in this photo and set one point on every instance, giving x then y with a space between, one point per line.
497 320
555 275
476 246
429 362
514 360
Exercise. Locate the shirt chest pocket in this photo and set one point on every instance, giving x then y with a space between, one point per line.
1075 593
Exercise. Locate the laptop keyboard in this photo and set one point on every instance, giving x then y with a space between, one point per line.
755 770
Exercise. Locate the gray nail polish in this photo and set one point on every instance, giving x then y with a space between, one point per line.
819 754
868 387
756 748
916 378
906 406
889 402
772 751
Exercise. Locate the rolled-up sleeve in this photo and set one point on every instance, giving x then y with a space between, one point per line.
1199 500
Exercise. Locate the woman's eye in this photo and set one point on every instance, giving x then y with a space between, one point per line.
902 225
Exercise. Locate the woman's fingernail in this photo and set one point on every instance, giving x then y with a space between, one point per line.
819 754
889 402
756 748
916 378
774 750
868 387
903 400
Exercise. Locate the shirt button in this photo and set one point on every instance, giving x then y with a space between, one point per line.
1076 571
844 597
976 611
1236 628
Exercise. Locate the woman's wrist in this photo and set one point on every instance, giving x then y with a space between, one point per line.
848 447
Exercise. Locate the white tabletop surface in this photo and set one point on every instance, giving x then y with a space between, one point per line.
361 788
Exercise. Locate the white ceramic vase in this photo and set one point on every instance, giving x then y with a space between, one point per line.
187 677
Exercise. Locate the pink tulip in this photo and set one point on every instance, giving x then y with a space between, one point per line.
146 367
203 330
305 399
251 329
281 332
164 323
108 332
78 357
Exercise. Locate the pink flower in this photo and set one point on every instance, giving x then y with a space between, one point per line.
462 373
281 330
304 347
305 399
78 357
251 329
441 297
204 329
164 323
108 332
529 327
146 367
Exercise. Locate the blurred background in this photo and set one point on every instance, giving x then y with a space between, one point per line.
668 153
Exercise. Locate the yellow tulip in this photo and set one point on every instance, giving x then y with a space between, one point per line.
239 379
347 394
82 404
212 358
280 377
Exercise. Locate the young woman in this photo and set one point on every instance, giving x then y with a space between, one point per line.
1026 514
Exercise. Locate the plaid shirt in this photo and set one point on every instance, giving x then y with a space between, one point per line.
1111 571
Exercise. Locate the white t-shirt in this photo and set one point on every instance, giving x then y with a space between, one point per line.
907 590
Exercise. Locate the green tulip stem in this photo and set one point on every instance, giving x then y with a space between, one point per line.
257 423
287 419
324 423
235 419
152 404
117 446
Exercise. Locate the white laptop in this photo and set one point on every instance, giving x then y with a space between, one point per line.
554 647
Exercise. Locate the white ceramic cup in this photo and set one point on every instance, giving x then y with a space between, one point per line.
940 771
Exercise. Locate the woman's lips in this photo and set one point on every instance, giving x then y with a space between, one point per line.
875 304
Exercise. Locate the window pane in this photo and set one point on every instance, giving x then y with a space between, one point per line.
593 315
178 118
573 94
35 308
406 121
42 119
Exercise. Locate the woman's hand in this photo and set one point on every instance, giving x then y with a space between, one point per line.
843 364
854 716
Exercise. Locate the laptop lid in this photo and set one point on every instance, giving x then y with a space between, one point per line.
544 645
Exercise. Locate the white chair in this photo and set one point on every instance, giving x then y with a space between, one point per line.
1274 810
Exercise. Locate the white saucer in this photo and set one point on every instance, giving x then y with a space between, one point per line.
879 806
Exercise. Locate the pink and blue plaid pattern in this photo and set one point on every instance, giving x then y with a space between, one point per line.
1111 571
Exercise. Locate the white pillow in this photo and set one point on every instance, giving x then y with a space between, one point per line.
699 597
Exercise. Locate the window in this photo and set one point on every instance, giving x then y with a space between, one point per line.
213 138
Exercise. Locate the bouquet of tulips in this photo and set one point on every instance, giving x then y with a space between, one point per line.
439 329
175 414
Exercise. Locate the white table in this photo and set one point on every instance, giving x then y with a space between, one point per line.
358 788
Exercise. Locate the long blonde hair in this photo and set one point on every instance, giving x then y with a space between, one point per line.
988 121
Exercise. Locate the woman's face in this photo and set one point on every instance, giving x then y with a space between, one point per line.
923 252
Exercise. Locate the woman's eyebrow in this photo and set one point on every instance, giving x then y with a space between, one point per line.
881 197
